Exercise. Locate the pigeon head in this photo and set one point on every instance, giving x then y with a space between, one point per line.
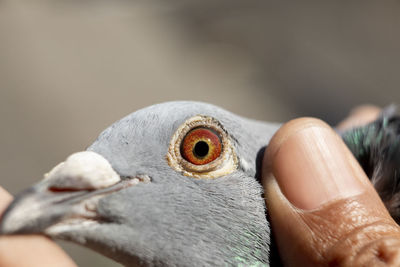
171 184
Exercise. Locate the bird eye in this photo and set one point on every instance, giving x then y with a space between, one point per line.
201 146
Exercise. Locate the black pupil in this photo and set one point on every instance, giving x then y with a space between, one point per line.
201 149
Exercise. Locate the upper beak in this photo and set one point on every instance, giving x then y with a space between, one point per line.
68 192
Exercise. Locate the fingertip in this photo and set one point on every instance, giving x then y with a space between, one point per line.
310 155
287 130
280 137
290 128
365 108
359 116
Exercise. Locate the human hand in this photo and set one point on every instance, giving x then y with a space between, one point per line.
323 209
29 250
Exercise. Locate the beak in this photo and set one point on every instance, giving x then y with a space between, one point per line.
68 193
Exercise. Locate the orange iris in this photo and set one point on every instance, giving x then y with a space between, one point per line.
201 146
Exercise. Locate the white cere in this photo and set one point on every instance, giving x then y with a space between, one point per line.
82 171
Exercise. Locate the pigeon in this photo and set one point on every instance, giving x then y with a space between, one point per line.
178 184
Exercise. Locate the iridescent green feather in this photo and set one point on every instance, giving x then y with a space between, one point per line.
377 147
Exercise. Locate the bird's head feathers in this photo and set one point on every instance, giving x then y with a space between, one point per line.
179 189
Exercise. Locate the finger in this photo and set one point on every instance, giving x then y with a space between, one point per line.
360 116
323 209
5 199
32 250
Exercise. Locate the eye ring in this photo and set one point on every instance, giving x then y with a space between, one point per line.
225 162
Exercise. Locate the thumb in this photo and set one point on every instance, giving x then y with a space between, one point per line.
323 209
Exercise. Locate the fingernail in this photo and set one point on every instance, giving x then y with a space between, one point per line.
312 167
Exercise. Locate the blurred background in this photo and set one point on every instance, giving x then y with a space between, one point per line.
68 69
